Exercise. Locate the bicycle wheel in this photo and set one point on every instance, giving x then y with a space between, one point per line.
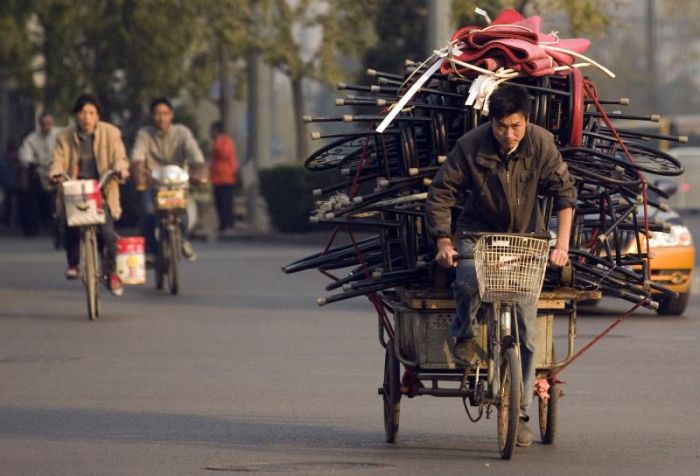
173 255
548 415
161 265
328 156
57 231
91 275
391 395
599 167
645 158
509 403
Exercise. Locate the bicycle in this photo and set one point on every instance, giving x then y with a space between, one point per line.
171 184
57 230
510 270
84 210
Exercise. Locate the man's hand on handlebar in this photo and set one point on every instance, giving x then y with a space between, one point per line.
58 178
120 175
558 257
446 253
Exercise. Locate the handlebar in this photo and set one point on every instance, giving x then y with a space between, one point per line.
62 177
106 176
479 234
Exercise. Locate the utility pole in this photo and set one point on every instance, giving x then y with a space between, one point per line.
439 30
259 137
225 100
651 57
259 130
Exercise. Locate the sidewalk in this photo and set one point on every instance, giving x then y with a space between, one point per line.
319 238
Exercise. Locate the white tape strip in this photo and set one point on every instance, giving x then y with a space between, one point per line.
409 95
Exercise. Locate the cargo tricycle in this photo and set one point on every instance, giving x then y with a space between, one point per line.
510 270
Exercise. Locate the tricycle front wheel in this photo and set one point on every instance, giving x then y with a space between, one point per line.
509 403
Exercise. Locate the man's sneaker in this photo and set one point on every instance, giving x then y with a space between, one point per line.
524 433
115 285
465 350
188 251
73 272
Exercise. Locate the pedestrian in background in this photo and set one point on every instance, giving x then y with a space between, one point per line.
35 157
10 178
223 168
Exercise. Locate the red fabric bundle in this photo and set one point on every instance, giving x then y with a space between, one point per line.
513 42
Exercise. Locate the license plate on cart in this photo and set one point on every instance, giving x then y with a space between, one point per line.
438 323
169 199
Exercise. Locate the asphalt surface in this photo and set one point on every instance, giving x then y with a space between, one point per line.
242 373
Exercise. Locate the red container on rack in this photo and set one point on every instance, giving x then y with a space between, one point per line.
131 260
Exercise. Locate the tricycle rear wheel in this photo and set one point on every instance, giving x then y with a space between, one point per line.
548 415
391 395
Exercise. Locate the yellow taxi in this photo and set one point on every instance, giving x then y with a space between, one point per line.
672 256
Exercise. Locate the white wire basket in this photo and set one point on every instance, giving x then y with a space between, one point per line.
510 268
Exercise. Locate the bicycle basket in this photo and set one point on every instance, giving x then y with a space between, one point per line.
171 198
510 268
83 203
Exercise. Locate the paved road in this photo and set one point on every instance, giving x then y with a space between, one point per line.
243 373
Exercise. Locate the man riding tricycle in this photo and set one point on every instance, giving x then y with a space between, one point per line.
502 167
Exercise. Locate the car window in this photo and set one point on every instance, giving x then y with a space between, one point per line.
688 195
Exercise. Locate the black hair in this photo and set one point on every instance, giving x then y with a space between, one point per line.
45 114
509 99
86 98
158 101
218 127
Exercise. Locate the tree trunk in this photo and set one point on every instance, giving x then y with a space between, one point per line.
224 92
521 5
50 88
259 137
302 149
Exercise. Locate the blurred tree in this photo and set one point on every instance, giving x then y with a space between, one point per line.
125 51
344 32
158 42
129 51
585 16
16 49
401 29
229 36
404 35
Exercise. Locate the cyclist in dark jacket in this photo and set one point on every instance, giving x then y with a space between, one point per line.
500 167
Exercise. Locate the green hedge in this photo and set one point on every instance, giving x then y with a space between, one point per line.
287 191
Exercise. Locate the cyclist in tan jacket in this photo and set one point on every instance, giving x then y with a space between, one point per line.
86 151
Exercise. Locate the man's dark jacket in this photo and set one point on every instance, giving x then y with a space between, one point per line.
500 194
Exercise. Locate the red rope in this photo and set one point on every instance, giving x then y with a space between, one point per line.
552 377
355 187
377 303
592 93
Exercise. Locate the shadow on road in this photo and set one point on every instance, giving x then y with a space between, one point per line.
100 426
48 316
